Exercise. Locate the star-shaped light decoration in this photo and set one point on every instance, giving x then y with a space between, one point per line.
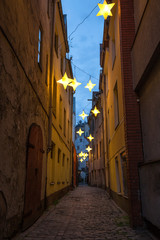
83 115
90 138
65 81
81 160
80 132
81 154
74 84
86 155
95 111
90 85
105 9
88 148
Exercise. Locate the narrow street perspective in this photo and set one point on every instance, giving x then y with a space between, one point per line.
84 213
79 119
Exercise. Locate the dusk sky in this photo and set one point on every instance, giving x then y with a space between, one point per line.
84 47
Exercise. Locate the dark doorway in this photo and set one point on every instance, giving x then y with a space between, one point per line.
32 202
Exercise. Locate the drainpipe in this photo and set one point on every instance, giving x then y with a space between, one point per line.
49 145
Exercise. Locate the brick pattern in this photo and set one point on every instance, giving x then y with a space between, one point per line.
131 110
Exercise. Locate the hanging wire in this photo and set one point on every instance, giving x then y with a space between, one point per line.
80 24
83 71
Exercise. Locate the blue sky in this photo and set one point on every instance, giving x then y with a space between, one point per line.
84 47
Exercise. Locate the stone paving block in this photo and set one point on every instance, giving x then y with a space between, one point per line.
86 213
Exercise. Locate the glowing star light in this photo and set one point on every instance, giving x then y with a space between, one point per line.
88 148
90 138
83 115
81 160
74 84
95 111
81 154
86 155
90 85
80 132
65 81
105 9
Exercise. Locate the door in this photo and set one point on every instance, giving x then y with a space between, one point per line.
32 202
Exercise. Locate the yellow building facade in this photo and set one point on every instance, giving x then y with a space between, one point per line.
113 110
59 165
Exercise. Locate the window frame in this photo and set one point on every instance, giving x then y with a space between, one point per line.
40 36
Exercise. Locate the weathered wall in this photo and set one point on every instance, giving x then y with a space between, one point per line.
144 47
150 114
150 171
23 99
150 192
146 79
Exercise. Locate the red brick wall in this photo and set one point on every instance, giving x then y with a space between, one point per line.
131 109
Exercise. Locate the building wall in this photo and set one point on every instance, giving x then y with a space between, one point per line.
146 75
60 164
24 101
114 122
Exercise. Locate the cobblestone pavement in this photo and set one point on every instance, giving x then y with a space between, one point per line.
84 213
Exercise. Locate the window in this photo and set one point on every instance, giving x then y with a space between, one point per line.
100 148
69 95
48 2
59 155
53 160
53 150
116 108
64 122
46 78
117 175
63 161
124 173
113 53
62 66
56 44
68 130
39 46
54 96
60 112
108 125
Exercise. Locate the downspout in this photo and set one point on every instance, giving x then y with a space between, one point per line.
49 145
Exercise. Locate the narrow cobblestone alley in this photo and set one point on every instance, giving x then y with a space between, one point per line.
84 213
